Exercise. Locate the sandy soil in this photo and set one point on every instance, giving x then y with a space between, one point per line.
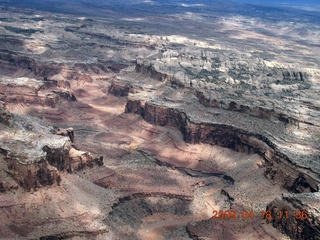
144 164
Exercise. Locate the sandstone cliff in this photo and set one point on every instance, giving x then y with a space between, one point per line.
303 218
280 163
34 156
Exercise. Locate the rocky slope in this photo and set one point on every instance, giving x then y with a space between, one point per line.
189 121
302 219
288 161
34 155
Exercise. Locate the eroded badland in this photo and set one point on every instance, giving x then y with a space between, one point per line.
137 121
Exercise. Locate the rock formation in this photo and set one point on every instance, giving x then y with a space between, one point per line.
296 215
219 114
119 90
34 156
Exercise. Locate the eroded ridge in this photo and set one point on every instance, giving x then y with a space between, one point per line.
302 221
226 114
290 160
33 154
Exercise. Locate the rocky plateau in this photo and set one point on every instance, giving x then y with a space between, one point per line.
140 120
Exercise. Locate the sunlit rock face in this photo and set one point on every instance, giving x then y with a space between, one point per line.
34 154
144 119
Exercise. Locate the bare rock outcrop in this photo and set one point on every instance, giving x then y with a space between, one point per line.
243 107
152 71
134 106
119 89
33 91
234 82
66 132
42 69
34 156
236 85
297 215
5 118
70 159
280 166
33 175
295 169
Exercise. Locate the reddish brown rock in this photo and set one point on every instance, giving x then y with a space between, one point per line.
5 118
279 168
32 176
119 89
152 72
297 215
33 155
70 159
134 106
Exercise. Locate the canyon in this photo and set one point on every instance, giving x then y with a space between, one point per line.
140 120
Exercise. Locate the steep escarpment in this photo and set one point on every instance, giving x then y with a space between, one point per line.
279 166
34 156
297 215
270 113
11 58
119 89
259 87
34 74
140 67
30 91
197 96
289 160
70 159
47 69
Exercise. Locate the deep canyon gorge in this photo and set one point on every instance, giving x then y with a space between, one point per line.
140 120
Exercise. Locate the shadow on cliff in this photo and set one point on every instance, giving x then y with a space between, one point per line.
140 215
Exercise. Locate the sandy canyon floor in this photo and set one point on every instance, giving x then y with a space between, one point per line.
195 110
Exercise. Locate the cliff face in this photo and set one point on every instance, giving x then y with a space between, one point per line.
33 156
161 115
70 159
260 89
48 71
134 106
119 89
255 111
11 58
5 118
34 175
299 217
279 168
51 99
152 72
236 86
276 130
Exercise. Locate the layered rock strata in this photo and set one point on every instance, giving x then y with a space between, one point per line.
34 155
219 82
282 164
32 91
45 70
291 159
119 89
240 86
297 215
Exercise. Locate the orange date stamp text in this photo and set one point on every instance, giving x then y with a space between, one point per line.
245 214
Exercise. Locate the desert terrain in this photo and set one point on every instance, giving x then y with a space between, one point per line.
159 120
